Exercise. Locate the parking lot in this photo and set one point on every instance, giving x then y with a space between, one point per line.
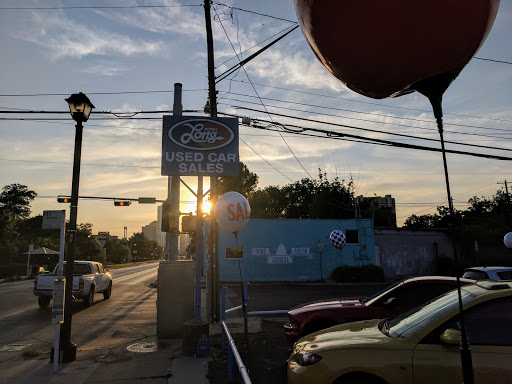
268 350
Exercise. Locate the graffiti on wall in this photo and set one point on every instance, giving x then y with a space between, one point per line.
281 254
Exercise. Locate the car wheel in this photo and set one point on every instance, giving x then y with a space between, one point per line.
89 299
43 301
107 292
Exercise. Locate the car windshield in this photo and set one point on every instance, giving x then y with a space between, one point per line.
409 323
363 300
80 269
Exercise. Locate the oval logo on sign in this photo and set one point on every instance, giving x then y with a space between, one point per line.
200 134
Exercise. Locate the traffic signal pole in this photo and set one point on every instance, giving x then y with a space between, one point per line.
173 186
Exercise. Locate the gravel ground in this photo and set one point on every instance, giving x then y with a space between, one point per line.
265 358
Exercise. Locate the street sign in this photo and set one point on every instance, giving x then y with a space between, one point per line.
200 146
59 288
53 219
147 200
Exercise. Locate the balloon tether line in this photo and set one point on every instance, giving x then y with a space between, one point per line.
434 88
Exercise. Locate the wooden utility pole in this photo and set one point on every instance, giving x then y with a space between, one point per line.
213 252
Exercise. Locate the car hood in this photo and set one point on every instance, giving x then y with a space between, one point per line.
360 334
326 304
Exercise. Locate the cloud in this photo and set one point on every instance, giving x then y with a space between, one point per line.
64 37
175 20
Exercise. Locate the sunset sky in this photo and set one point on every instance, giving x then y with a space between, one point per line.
126 56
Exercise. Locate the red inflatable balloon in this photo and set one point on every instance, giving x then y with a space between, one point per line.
381 48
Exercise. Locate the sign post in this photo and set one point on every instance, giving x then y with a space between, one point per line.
199 146
30 250
57 220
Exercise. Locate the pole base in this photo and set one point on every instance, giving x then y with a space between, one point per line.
67 353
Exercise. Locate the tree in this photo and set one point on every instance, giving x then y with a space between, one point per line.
245 183
144 248
15 199
117 250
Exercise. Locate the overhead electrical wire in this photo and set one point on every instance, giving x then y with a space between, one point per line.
361 112
255 91
368 102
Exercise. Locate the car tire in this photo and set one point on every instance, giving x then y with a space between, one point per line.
107 292
89 299
43 301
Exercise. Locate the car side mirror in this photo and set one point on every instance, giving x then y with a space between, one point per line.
451 336
391 301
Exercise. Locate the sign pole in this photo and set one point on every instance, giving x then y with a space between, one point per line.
30 249
199 249
173 185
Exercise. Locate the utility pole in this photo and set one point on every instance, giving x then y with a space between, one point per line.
213 252
506 189
173 186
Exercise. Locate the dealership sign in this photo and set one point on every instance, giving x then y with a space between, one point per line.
199 146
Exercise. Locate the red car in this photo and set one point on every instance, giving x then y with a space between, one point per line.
398 298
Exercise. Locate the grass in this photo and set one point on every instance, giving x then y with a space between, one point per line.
32 353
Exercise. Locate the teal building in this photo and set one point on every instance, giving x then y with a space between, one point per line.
292 250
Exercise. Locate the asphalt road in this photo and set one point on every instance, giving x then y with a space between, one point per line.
130 313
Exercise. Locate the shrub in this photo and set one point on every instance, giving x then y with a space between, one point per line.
358 274
13 269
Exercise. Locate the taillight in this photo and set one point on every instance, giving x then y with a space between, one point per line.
81 284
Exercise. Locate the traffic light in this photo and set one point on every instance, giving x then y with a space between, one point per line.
63 200
122 203
170 218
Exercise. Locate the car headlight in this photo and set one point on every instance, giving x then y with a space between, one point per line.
307 358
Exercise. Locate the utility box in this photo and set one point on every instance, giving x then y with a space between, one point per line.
175 300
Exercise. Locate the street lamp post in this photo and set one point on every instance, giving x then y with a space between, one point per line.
80 108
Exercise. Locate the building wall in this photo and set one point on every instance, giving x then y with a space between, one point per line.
402 253
150 231
288 250
160 236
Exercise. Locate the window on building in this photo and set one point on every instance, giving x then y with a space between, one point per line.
352 236
234 253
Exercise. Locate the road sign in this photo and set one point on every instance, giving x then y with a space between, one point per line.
53 219
59 288
147 200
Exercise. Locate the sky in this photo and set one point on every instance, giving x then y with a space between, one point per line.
126 57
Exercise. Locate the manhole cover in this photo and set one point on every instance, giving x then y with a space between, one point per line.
13 347
143 347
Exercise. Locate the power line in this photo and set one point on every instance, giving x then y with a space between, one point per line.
99 93
346 136
364 113
369 102
96 7
255 91
255 13
494 61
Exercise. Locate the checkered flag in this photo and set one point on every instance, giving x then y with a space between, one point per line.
338 239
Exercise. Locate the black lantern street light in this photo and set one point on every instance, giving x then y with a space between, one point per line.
80 108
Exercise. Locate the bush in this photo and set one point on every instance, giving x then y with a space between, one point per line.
13 269
361 274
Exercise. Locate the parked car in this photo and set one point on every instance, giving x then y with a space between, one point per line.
422 346
89 277
395 299
488 273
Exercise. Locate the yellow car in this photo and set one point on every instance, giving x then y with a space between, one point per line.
419 347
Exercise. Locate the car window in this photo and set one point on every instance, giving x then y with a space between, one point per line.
411 322
418 293
79 269
475 275
97 268
102 270
486 324
505 275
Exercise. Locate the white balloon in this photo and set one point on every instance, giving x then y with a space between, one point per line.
232 212
507 240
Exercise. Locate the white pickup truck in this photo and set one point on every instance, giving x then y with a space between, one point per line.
89 277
